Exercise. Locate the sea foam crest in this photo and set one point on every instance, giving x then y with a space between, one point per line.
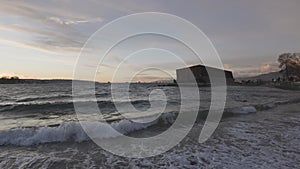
73 131
243 110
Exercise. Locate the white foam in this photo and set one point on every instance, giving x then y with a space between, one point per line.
65 132
73 131
243 110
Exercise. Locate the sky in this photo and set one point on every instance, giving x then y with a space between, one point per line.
42 39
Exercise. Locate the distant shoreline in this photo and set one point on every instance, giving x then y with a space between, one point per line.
282 85
45 81
31 81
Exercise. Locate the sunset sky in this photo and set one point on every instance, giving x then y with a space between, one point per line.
42 39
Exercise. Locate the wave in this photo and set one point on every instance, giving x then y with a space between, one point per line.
258 107
57 97
32 107
47 106
241 110
46 98
66 107
73 131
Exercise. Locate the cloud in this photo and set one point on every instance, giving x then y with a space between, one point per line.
26 29
43 40
269 68
255 70
152 78
244 33
41 48
246 72
42 37
40 31
227 66
74 22
56 20
54 25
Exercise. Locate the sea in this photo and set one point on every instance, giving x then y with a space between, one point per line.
39 128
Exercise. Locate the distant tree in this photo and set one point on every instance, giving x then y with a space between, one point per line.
10 78
290 64
14 78
4 77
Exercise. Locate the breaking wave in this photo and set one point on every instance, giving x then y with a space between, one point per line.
60 105
73 131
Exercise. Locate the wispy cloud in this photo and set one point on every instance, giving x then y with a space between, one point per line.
59 24
49 31
255 69
42 37
270 67
75 21
25 29
42 48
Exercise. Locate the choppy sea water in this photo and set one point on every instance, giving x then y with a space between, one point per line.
39 129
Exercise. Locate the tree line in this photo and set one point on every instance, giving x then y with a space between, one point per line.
9 78
290 65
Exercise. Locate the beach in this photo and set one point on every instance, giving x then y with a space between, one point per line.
260 130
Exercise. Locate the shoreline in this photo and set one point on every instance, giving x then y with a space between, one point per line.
166 119
240 141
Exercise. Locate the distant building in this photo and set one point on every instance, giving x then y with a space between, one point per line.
200 73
